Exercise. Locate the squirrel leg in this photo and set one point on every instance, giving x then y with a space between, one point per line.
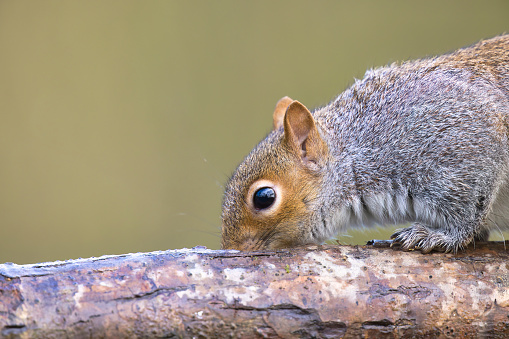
424 238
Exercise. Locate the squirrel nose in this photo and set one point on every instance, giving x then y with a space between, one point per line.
246 244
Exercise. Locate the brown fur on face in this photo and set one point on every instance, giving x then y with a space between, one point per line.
275 227
294 151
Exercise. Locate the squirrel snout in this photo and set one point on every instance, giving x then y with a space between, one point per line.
242 242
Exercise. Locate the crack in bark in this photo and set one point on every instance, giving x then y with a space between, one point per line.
13 329
249 254
81 321
154 292
377 323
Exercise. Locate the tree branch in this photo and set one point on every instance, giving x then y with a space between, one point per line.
322 292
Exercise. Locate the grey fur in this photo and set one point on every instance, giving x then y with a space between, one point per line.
425 141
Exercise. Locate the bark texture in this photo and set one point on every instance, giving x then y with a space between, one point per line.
321 292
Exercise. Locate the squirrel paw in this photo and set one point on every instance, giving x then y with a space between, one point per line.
420 237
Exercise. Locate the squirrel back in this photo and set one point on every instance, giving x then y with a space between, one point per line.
424 141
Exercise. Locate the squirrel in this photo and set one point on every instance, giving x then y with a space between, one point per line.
424 142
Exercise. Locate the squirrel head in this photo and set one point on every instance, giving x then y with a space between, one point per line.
270 202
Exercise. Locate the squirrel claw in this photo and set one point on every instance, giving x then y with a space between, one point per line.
419 237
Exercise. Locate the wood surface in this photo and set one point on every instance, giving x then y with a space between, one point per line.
319 292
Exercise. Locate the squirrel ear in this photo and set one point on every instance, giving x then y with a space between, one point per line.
279 112
302 135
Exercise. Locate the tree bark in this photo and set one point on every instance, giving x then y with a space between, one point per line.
320 292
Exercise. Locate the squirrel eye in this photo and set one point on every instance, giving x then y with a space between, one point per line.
264 197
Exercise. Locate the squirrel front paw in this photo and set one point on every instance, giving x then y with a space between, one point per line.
420 237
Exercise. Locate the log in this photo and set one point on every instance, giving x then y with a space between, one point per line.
319 292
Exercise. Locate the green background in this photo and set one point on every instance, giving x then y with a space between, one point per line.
120 121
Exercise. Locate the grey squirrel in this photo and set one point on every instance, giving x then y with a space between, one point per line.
424 141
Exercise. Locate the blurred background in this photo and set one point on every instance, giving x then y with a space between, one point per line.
120 121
